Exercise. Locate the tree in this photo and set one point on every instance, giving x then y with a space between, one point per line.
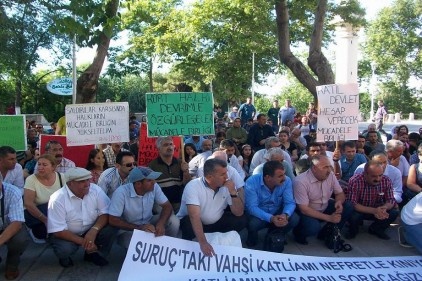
293 19
393 44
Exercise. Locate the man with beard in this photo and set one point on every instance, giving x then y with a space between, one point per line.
371 194
313 194
63 164
174 173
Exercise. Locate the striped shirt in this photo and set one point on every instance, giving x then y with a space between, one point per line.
110 180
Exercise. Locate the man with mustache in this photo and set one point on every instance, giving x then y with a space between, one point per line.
63 164
313 190
371 194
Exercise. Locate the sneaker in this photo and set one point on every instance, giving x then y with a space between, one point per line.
95 258
35 239
402 240
66 262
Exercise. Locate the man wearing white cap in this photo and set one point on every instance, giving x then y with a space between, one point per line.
78 216
233 114
132 205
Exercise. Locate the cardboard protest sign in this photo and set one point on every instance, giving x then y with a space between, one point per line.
177 114
13 131
97 123
148 150
182 260
338 111
78 154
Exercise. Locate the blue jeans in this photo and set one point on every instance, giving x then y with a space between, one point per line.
64 249
255 224
309 226
413 234
15 247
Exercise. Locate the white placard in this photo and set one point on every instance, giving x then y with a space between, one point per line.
338 111
96 123
167 258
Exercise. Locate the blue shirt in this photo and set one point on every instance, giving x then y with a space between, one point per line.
13 204
246 111
262 203
348 168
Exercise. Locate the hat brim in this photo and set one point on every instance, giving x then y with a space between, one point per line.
153 175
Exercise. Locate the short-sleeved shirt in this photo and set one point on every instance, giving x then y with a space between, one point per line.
403 166
349 168
66 211
262 203
171 179
232 175
211 203
359 192
110 180
310 191
286 113
246 111
135 208
15 177
13 204
43 192
411 214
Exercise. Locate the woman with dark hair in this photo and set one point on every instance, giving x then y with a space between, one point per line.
96 164
189 151
247 154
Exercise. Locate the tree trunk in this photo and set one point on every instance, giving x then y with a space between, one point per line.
316 60
87 84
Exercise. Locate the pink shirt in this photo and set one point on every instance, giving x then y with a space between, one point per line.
314 193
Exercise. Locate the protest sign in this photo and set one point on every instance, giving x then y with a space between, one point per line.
78 154
338 111
13 131
177 114
182 260
148 151
96 123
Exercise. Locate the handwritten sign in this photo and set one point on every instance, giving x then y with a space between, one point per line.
148 151
338 112
182 260
78 154
177 114
13 131
96 123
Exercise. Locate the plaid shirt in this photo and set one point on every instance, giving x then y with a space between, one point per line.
359 192
13 204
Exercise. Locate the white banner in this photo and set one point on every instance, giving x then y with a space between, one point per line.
96 123
338 111
167 258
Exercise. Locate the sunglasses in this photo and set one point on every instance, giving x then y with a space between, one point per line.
128 165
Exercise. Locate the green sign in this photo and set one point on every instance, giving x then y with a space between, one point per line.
177 114
12 131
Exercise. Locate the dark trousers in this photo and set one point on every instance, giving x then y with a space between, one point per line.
63 248
38 227
15 248
377 226
226 223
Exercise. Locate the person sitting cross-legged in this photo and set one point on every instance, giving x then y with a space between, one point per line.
132 207
269 202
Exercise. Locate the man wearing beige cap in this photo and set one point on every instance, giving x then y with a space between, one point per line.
78 216
132 204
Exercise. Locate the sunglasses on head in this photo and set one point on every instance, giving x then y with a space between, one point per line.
128 165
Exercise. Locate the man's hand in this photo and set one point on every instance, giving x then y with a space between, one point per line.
230 186
185 166
280 220
207 249
89 241
159 229
381 213
339 207
334 218
147 228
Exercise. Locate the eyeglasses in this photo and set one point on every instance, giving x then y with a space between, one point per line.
128 165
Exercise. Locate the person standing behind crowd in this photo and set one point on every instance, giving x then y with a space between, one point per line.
380 115
286 113
312 114
233 114
96 164
273 115
259 132
247 111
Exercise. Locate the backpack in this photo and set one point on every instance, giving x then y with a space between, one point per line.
274 241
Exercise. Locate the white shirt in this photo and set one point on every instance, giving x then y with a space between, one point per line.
411 214
212 204
259 158
68 212
198 161
232 175
15 177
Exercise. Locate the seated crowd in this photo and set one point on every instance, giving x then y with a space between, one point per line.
269 176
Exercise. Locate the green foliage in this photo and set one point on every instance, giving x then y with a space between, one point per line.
262 103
